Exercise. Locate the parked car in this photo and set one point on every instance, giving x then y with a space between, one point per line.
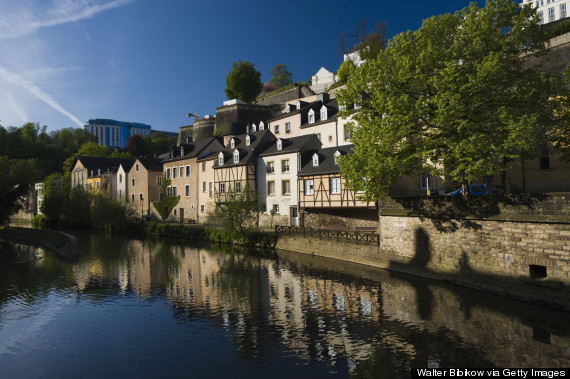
476 189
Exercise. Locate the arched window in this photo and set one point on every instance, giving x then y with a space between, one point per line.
311 116
233 143
279 144
221 159
315 160
236 156
324 113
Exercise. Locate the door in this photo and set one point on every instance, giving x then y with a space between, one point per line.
181 215
294 216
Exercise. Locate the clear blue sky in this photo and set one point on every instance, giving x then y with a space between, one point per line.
63 62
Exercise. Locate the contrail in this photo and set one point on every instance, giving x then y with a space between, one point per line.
38 92
26 21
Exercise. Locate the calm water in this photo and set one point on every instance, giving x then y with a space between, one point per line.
141 308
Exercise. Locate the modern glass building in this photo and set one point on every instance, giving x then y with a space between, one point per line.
114 133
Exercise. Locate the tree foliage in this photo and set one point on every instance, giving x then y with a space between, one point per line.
237 213
280 77
345 70
136 146
453 98
167 204
243 82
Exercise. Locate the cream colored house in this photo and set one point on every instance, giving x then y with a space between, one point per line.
205 188
183 170
144 183
277 186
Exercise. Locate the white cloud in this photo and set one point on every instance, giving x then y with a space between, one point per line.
38 92
27 17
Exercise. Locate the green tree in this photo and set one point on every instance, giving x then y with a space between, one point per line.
167 204
345 70
369 41
280 77
453 98
243 82
237 213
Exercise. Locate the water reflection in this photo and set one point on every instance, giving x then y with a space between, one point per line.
323 315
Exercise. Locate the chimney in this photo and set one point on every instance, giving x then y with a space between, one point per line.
324 97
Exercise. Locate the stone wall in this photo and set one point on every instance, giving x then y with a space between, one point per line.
285 96
349 218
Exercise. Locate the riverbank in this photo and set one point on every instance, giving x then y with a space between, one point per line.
63 244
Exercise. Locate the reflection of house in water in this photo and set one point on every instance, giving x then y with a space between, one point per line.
145 270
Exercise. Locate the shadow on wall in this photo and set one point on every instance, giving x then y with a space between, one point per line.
536 287
451 213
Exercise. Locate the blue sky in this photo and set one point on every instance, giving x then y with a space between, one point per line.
63 62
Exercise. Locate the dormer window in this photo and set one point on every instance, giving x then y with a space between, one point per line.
221 159
261 126
253 128
248 140
311 116
323 113
182 151
287 109
236 156
279 144
336 155
315 160
232 143
298 104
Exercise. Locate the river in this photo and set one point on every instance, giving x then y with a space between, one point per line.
132 307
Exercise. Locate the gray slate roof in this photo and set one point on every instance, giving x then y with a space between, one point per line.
259 141
327 164
295 144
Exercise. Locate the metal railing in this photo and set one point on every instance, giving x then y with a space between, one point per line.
349 236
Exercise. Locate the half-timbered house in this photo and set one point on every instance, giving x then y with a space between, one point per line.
235 168
321 186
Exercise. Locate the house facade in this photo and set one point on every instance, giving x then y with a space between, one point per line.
277 182
145 184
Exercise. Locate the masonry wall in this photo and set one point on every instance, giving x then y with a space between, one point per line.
452 240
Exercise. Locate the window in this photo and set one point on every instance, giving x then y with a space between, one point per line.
253 128
335 185
159 180
203 166
425 181
309 190
270 167
187 190
315 160
261 126
222 188
541 17
263 208
236 156
550 14
247 140
137 167
330 137
237 187
168 173
270 188
174 191
187 171
285 165
211 189
563 10
319 136
204 187
202 208
140 197
346 133
132 197
132 182
324 113
311 116
97 186
286 187
544 162
221 159
120 178
181 171
276 129
279 144
287 127
298 104
174 171
233 143
275 209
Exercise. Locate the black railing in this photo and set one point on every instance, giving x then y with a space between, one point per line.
350 236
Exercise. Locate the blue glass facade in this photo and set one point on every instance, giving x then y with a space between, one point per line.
114 133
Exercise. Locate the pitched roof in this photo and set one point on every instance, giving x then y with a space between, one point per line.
151 164
259 141
195 149
332 113
327 164
103 163
295 144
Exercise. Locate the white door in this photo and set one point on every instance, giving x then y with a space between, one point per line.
294 216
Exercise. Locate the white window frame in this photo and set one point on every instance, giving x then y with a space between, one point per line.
270 185
203 166
187 190
271 167
324 113
287 127
222 188
309 185
315 160
237 187
334 186
221 159
425 181
288 192
311 116
247 140
204 187
279 144
285 166
188 171
168 173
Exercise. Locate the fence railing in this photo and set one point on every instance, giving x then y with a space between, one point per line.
350 236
